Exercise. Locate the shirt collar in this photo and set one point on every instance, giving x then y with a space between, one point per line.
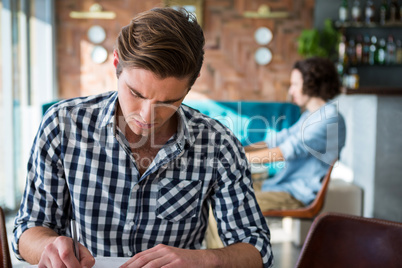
107 115
184 135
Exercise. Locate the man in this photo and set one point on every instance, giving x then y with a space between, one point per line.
137 170
310 146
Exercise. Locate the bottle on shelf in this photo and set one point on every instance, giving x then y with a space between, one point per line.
359 49
384 12
356 11
342 51
391 51
340 69
398 52
366 49
381 52
353 78
350 78
351 52
373 50
400 12
343 11
394 12
369 12
345 76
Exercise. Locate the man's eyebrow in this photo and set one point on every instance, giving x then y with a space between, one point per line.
136 92
142 97
170 101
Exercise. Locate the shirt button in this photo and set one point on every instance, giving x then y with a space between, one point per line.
181 185
130 253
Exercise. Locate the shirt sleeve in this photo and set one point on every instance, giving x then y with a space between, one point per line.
234 204
318 134
273 139
46 194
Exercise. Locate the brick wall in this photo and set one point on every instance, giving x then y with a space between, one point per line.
229 72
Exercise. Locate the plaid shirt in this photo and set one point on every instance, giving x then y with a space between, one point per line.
81 167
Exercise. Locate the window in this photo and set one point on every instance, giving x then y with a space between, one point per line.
22 90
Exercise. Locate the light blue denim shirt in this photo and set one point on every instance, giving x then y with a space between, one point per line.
309 147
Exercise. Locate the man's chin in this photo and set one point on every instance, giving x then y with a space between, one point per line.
143 132
137 129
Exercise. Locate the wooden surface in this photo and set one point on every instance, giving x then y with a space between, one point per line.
374 90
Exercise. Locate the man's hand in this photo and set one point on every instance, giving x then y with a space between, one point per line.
255 146
236 255
60 253
167 256
44 246
266 155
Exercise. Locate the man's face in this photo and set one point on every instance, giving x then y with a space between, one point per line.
148 103
296 89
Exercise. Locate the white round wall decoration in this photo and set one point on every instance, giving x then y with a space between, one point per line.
96 34
99 54
263 56
263 36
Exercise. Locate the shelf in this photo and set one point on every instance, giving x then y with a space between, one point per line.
377 66
362 25
373 90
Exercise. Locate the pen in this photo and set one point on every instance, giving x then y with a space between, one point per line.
74 234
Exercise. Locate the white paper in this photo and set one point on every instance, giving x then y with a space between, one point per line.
109 262
104 262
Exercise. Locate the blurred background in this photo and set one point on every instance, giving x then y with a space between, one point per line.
58 49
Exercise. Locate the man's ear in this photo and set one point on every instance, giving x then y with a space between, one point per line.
115 58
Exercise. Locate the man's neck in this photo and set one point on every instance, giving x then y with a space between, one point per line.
314 104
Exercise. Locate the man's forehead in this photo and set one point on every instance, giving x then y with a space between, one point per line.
147 85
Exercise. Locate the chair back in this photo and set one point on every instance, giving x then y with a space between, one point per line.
310 211
4 251
338 240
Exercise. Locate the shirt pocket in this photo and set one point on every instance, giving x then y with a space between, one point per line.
177 199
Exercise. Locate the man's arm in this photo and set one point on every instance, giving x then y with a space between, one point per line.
236 255
265 155
255 146
44 246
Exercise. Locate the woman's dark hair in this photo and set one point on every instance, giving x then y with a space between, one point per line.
165 41
320 78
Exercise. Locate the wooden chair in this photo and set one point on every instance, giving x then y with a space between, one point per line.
4 251
339 240
310 211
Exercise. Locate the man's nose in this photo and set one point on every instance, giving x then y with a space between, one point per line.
290 91
147 111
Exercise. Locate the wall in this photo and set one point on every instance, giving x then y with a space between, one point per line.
77 74
360 113
229 72
388 168
373 151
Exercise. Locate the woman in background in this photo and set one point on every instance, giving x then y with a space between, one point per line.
308 147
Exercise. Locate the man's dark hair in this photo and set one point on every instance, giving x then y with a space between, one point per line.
320 78
165 41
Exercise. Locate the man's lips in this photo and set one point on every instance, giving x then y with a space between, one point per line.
143 125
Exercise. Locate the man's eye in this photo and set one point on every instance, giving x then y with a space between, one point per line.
134 95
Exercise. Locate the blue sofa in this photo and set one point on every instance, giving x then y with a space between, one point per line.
250 121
